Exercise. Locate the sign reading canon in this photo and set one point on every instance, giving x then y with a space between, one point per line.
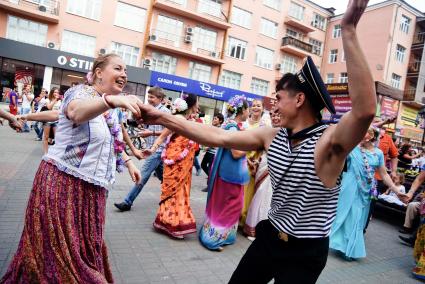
64 60
198 88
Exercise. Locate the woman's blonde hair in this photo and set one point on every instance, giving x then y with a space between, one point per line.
100 62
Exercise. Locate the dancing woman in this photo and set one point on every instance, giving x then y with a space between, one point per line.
175 217
62 240
228 176
357 189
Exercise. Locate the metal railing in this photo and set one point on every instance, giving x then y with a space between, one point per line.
419 38
414 66
186 42
297 43
46 6
409 94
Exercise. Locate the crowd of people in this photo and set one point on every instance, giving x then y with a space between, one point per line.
288 182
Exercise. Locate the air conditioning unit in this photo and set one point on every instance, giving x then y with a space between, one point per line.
189 30
51 45
278 66
42 8
152 38
146 62
214 54
188 38
102 51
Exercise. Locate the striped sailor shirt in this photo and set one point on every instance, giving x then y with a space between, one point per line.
301 205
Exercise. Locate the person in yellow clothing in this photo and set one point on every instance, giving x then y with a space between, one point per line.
253 157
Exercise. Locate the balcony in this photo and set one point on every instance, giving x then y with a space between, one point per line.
296 47
413 68
43 10
185 46
418 40
409 94
302 25
203 11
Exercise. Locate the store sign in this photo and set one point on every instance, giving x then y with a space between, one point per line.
411 133
388 109
338 88
73 62
24 76
342 104
207 90
409 116
64 60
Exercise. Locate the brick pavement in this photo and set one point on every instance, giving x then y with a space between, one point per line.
140 255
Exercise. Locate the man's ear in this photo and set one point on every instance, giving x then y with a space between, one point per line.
300 97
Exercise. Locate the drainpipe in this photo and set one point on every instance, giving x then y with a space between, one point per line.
226 32
147 29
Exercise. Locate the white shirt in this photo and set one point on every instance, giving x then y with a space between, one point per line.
26 103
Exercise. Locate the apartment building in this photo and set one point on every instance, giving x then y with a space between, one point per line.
391 35
231 45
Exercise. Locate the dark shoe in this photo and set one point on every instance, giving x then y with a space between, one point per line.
407 240
123 206
405 230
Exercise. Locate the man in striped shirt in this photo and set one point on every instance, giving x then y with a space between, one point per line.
305 159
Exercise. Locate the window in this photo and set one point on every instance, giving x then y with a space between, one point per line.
264 57
180 2
26 31
333 56
169 29
395 81
210 7
128 53
130 17
343 77
296 11
319 21
163 63
329 78
230 79
294 34
336 33
259 87
241 17
85 8
275 4
78 43
405 24
317 46
200 72
289 64
268 28
400 52
236 48
204 39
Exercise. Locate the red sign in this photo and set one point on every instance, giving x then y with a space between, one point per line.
24 76
342 105
389 107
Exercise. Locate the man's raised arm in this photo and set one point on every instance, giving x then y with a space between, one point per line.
354 124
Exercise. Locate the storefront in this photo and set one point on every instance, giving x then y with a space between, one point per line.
44 67
211 97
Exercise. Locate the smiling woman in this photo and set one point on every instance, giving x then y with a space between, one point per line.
66 208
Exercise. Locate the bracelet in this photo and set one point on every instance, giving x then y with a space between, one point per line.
125 162
108 105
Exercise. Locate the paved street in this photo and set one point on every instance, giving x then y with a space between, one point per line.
140 255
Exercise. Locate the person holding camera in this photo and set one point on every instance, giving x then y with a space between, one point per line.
153 162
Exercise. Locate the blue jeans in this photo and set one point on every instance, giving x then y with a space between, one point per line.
196 163
25 111
151 164
38 127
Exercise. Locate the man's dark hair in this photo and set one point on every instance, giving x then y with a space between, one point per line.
289 83
220 117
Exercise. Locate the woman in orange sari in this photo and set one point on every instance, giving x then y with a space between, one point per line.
175 217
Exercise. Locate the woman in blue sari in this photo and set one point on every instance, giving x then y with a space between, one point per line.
357 189
229 174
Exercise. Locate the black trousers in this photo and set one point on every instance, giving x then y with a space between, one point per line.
295 261
207 162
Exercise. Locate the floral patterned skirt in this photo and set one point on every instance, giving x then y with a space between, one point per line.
62 240
419 253
223 211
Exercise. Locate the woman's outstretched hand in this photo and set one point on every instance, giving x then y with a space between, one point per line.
130 102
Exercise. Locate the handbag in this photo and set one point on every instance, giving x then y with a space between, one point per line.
230 169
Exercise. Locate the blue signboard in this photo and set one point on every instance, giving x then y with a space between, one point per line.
207 90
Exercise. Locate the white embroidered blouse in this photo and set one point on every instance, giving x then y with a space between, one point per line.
85 151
